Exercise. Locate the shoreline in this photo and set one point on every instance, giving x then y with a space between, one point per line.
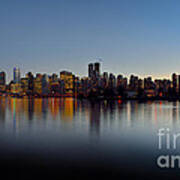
95 98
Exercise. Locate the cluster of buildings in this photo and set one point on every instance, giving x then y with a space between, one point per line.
41 85
96 85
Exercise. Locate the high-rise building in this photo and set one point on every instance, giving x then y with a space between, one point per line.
24 85
105 80
45 84
2 78
112 81
90 70
16 88
17 75
38 84
2 82
97 69
148 83
124 83
54 78
30 77
140 84
68 81
105 75
119 80
54 84
174 81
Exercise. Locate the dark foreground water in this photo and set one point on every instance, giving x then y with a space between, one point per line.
56 138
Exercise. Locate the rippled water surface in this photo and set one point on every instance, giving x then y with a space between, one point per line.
84 117
81 132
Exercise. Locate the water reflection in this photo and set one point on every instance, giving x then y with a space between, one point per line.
94 117
2 110
82 115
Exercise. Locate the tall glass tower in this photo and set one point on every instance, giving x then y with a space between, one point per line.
16 75
90 70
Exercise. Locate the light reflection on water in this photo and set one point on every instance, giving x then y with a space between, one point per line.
113 132
97 118
86 118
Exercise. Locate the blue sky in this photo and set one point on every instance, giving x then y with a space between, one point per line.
131 36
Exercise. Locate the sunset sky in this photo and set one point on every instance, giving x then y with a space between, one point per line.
130 36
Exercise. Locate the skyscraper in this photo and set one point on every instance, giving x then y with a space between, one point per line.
2 82
68 80
30 77
174 81
17 75
90 70
97 69
2 78
94 70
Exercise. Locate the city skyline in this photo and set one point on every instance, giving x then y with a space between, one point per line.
98 84
9 72
10 77
131 36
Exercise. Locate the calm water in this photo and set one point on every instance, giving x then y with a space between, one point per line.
80 133
18 116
